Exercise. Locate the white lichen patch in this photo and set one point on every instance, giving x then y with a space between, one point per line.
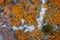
40 19
29 28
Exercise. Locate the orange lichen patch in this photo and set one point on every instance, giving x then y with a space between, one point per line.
52 14
26 16
53 1
15 20
57 36
24 2
8 1
20 6
58 17
35 15
36 25
27 7
45 6
20 35
33 38
13 23
1 1
58 20
32 8
17 32
30 17
45 16
21 10
16 12
51 19
35 33
18 16
38 4
50 9
15 9
29 20
58 3
58 12
34 1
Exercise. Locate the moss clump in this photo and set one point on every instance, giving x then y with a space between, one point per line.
47 29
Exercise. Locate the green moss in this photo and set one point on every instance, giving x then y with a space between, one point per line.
47 29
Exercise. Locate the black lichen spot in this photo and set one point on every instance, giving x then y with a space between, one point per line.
11 15
13 3
1 10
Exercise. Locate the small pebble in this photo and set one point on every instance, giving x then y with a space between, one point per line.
14 28
20 28
4 25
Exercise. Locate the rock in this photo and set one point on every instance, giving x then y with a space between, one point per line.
14 28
